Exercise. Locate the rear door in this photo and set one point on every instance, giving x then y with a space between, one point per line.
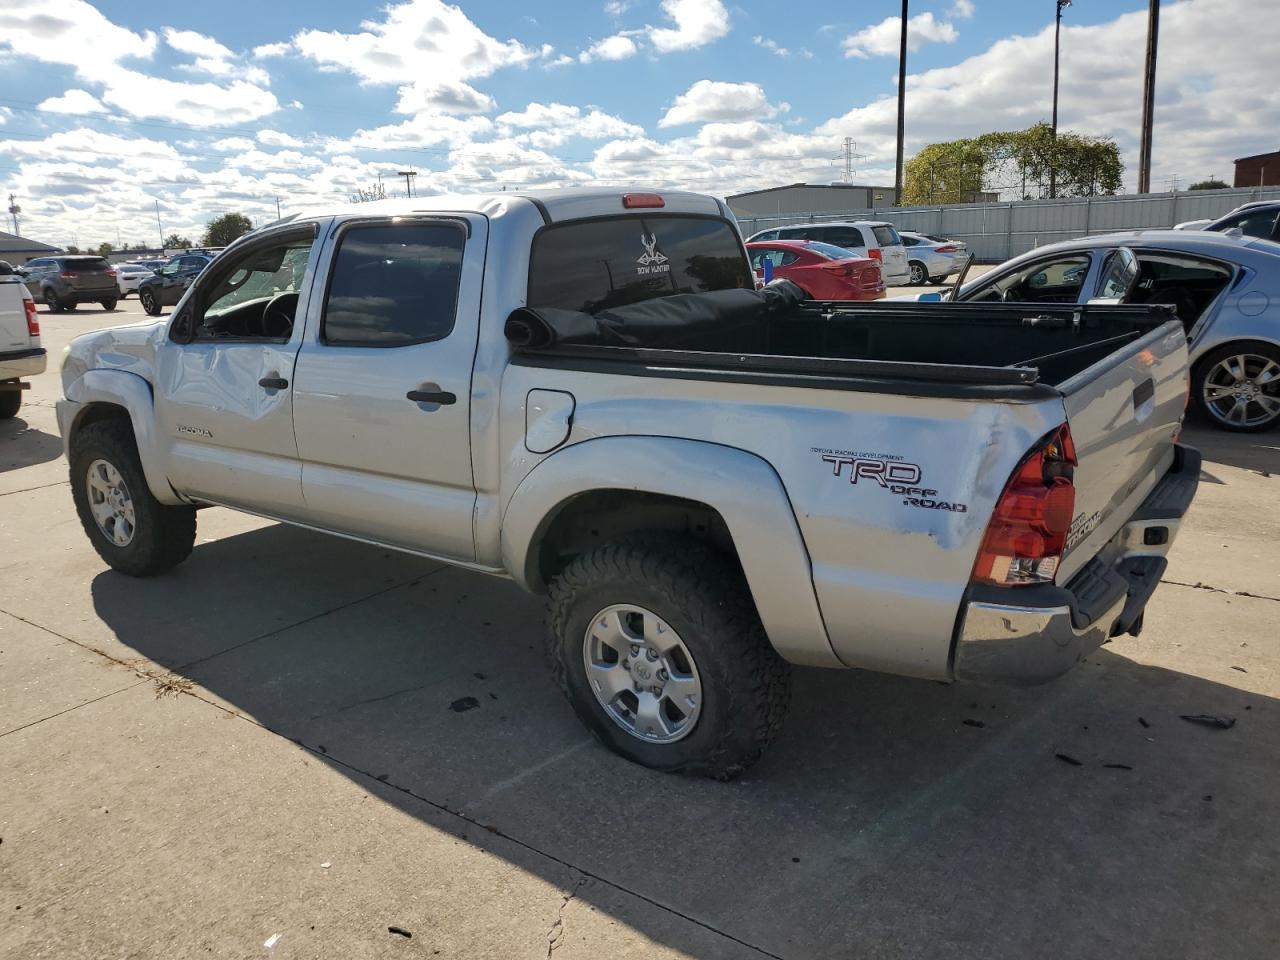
894 253
382 401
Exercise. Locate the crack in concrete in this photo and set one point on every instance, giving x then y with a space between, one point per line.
1198 585
556 934
380 697
43 486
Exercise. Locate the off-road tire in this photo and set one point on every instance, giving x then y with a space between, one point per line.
10 401
108 304
163 535
701 593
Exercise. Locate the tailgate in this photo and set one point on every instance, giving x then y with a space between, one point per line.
1124 412
13 317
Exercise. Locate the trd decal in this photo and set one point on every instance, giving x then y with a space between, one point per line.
889 472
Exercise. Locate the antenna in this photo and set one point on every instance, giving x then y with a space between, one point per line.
408 180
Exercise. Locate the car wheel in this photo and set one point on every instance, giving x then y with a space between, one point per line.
656 643
919 275
130 529
149 304
10 400
52 302
109 304
1238 386
938 281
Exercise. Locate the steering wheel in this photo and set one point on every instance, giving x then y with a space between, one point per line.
278 314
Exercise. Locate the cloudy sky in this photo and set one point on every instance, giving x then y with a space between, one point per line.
108 108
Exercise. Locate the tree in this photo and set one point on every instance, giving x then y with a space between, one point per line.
1213 183
960 171
173 241
72 248
225 229
375 191
104 249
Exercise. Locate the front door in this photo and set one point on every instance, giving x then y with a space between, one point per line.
382 403
224 384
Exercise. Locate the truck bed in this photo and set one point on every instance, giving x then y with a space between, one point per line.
934 346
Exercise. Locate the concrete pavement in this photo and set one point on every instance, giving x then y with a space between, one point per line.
292 744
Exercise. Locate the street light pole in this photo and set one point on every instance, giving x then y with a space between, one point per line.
1053 157
902 107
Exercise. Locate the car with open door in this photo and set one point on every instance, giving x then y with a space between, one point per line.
1225 288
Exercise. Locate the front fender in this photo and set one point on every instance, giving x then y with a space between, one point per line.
744 489
122 389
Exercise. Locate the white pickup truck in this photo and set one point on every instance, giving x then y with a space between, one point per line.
20 352
582 390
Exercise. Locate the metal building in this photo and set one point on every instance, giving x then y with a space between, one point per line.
809 198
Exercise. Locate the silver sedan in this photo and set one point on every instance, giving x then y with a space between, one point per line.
1226 290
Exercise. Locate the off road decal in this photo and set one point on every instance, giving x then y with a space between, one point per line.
890 472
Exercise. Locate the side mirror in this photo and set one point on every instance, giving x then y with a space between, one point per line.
181 329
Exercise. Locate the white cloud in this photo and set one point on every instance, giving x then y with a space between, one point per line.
560 61
73 101
617 47
229 144
697 23
771 45
413 39
713 100
423 130
443 97
196 44
272 50
883 39
551 124
962 9
616 8
277 138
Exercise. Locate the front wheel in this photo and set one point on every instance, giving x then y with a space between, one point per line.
919 275
150 305
10 399
656 643
131 530
1238 386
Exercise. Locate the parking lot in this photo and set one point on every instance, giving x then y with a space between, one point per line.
299 746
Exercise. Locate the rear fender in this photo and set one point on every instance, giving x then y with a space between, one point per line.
744 489
127 390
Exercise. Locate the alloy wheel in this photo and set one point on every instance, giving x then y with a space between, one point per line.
111 503
1244 390
642 673
918 276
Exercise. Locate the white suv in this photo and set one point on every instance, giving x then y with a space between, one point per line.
867 238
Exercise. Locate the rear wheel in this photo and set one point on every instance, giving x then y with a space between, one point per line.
10 399
53 302
131 530
1238 386
938 281
108 304
150 305
656 643
919 275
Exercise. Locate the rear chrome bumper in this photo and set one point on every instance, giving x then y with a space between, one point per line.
23 363
1050 628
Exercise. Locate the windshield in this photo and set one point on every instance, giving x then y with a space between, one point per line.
593 265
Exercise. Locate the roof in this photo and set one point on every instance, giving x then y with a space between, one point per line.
11 243
1257 156
809 186
1206 242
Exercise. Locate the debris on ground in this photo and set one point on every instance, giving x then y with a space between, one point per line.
1066 758
1213 720
170 683
1241 669
972 723
271 941
1143 722
463 704
400 932
1117 766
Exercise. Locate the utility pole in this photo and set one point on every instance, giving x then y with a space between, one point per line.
159 227
848 153
408 181
1053 157
1148 96
902 107
277 208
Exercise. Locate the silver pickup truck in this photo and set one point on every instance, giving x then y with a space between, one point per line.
583 391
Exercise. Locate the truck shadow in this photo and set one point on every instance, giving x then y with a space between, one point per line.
893 818
1259 452
22 445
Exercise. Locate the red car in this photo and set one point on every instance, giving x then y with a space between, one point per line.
824 271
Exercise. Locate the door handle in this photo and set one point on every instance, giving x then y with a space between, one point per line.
273 383
431 396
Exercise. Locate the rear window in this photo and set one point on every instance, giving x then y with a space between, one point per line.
85 264
595 265
831 251
886 236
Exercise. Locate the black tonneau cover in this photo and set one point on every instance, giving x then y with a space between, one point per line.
775 332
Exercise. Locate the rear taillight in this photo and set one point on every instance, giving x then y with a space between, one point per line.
946 248
111 273
1028 531
33 325
876 254
68 275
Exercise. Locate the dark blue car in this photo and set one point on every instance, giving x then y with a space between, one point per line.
170 282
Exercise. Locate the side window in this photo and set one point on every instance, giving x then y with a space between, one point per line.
1258 223
191 264
394 285
170 268
1046 281
254 295
768 235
